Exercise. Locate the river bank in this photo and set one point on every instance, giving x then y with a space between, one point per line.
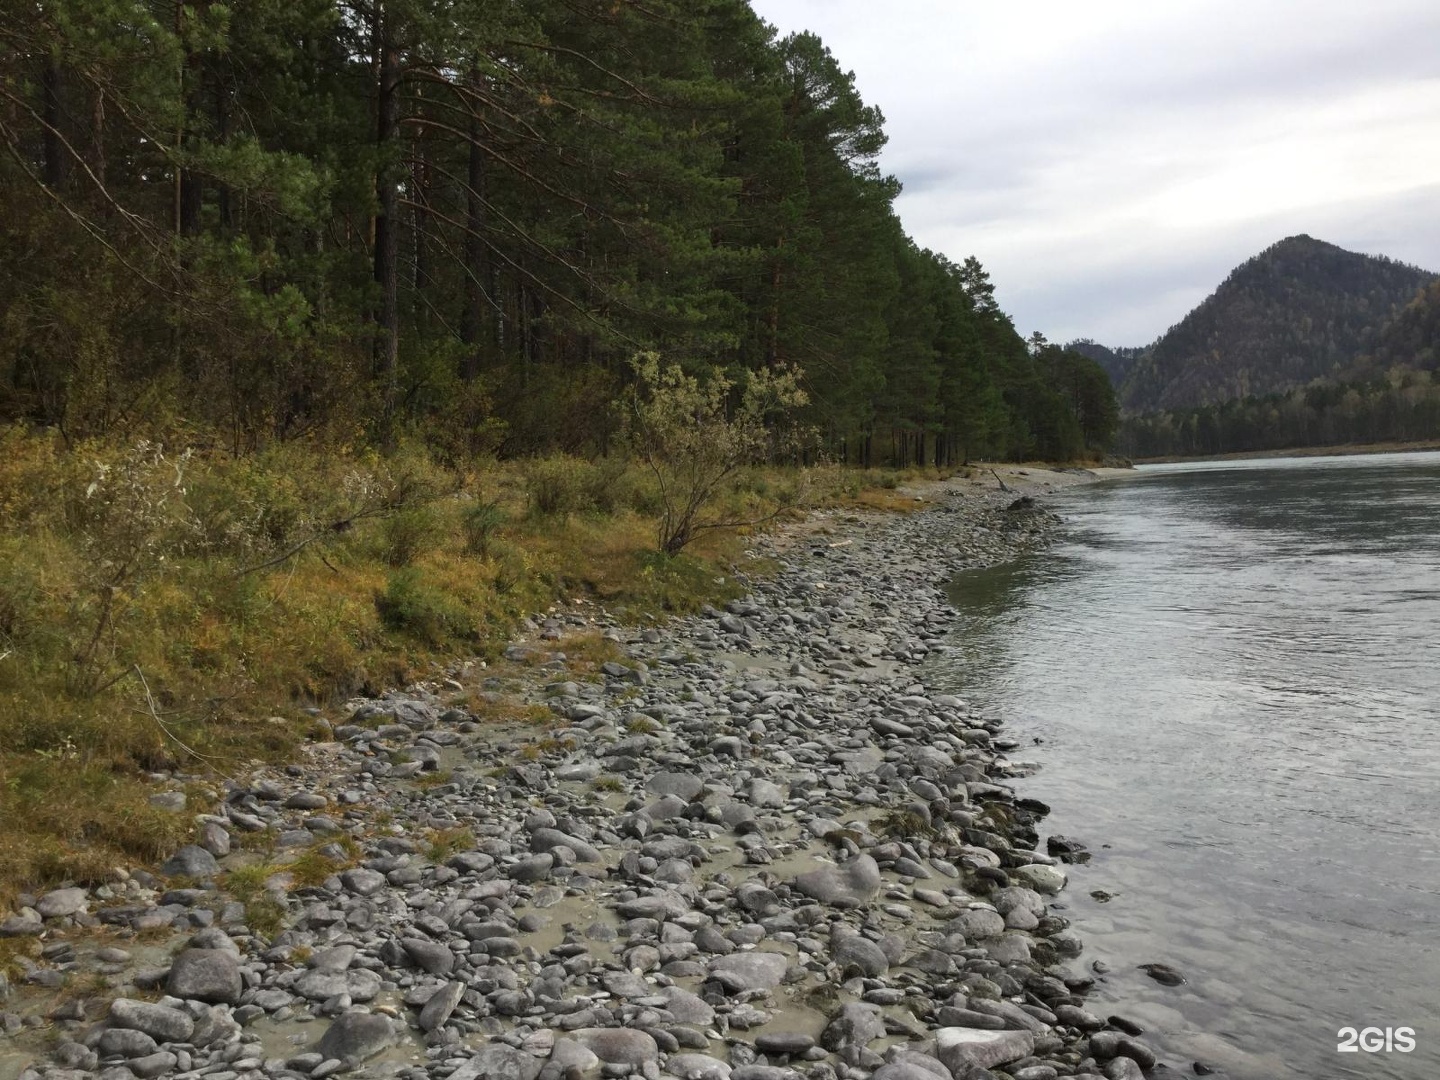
757 846
1344 450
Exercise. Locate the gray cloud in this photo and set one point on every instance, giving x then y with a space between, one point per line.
1111 162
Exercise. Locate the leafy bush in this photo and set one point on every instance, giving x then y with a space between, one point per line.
480 521
409 533
693 441
560 485
410 606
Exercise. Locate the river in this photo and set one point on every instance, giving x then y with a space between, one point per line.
1229 674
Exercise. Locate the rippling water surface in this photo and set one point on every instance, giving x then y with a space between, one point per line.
1232 671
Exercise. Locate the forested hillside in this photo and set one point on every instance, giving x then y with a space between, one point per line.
1300 310
1390 394
459 221
1117 363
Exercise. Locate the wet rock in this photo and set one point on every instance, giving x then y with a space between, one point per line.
962 1049
1164 974
783 1042
743 971
355 1036
1040 877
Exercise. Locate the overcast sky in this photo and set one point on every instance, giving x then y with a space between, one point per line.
1109 161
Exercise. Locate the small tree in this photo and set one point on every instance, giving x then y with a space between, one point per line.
693 435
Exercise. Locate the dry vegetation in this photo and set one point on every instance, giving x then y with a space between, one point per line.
169 613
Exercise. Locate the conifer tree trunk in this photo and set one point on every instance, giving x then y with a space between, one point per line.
387 274
55 163
477 271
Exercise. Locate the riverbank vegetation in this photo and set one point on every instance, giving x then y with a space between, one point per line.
179 614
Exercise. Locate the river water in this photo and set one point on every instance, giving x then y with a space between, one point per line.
1229 674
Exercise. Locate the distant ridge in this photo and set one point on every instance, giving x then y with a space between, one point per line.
1300 310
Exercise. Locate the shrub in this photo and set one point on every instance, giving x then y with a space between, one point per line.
409 606
481 520
409 533
559 485
693 441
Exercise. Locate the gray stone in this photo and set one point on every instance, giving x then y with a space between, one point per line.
619 1046
496 1061
215 838
550 839
125 1043
1123 1068
355 1036
851 951
26 924
978 924
152 1065
971 1048
687 1008
912 1059
856 881
697 1067
430 956
750 970
62 902
191 861
210 975
683 785
363 882
783 1042
440 1005
535 868
1041 878
361 985
160 1023
856 1024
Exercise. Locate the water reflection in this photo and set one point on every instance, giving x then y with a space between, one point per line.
1232 669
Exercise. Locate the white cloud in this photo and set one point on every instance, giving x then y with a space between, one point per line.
1110 161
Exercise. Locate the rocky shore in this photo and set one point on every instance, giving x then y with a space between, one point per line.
758 847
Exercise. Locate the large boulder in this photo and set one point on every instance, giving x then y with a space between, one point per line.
852 883
961 1049
210 975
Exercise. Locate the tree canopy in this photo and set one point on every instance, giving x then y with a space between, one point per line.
360 218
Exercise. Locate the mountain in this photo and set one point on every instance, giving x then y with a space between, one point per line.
1410 340
1300 310
1116 363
